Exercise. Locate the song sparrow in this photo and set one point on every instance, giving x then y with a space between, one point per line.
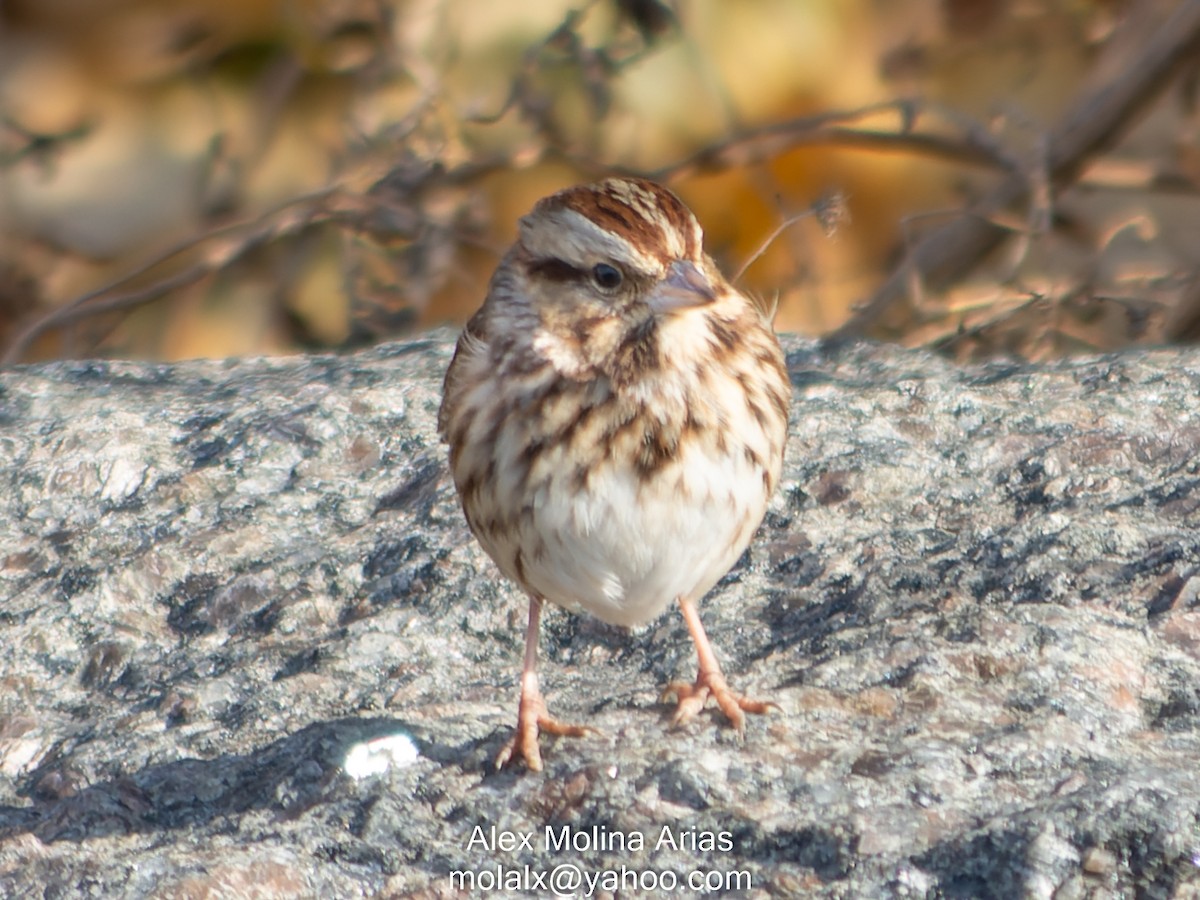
616 414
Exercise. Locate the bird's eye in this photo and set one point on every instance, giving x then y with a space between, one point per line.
606 277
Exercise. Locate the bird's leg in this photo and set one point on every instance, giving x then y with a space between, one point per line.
709 681
532 716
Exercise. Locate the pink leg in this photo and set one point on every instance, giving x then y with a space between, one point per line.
709 681
532 716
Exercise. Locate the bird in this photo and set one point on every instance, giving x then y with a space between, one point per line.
616 416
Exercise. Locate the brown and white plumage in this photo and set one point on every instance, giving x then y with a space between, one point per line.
616 414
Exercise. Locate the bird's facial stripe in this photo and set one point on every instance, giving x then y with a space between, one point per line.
560 272
556 270
577 241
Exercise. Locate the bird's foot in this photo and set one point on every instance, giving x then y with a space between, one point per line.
534 719
692 698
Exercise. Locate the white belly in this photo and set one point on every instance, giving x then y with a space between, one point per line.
624 548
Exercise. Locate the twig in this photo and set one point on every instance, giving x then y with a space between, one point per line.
829 210
37 144
976 146
768 241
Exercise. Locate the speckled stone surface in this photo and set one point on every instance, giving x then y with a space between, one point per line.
228 590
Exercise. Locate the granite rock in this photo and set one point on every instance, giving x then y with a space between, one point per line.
251 649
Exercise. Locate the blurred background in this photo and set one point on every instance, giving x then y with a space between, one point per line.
230 177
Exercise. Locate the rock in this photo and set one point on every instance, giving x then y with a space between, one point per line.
251 649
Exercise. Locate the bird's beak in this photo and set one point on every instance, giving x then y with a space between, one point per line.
684 287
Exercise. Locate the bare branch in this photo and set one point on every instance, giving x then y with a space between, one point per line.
225 244
1095 122
974 145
